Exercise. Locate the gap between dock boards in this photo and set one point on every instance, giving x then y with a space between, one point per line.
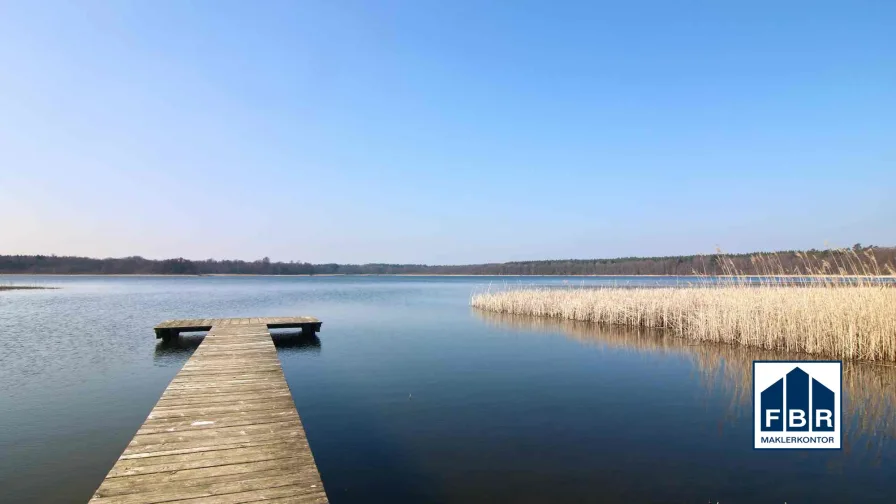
226 429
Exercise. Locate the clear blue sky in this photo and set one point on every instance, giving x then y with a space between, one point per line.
445 132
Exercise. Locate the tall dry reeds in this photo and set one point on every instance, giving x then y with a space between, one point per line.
845 308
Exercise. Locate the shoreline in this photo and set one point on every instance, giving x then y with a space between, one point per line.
24 287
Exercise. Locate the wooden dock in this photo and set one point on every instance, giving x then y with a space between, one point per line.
226 429
171 328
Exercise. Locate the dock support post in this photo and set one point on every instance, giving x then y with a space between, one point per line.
166 335
309 330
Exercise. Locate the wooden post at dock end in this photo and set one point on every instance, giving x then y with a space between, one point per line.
166 334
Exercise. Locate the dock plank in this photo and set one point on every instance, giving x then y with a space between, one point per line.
203 479
225 430
233 323
214 422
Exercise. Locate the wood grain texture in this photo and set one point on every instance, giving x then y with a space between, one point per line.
172 327
225 430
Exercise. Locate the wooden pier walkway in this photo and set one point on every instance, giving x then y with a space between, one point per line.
226 429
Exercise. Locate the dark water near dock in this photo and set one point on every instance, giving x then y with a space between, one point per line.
409 395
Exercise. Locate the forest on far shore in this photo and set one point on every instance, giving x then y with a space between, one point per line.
881 258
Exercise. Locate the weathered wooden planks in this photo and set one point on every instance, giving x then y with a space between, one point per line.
171 328
226 429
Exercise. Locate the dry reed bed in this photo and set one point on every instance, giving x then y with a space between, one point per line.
844 320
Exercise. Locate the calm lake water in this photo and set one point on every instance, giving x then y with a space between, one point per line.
409 395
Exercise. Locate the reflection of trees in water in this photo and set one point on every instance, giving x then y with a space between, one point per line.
869 402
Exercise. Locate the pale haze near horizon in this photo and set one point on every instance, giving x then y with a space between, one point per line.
445 132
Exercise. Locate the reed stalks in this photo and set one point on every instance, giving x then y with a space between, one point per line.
843 308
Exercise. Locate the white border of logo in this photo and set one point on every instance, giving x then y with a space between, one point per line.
829 374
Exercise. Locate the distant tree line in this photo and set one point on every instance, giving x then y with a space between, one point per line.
882 259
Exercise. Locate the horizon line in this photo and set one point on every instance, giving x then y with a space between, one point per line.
718 252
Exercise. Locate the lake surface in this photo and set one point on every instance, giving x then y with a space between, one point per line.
409 395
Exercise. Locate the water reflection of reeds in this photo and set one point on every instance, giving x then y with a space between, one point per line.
869 403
